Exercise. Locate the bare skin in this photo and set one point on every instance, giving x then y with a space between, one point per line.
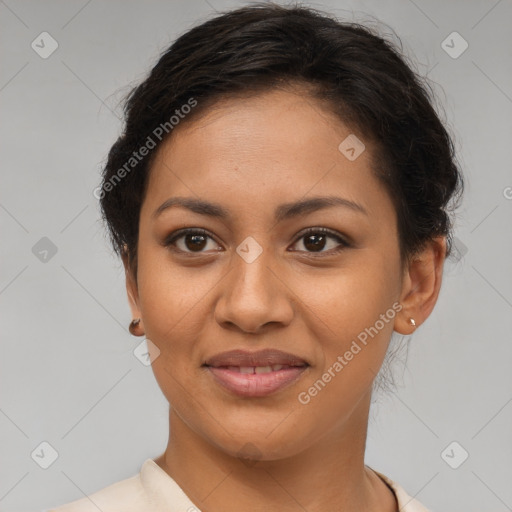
250 156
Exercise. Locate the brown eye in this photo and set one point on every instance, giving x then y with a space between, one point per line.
195 242
190 241
315 240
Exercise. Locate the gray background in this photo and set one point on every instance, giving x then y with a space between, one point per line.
68 375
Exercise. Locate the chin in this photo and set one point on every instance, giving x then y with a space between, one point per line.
248 444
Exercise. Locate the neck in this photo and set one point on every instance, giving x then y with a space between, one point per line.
329 475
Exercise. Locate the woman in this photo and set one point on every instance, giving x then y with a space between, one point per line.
279 199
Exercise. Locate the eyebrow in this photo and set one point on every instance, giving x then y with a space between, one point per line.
282 212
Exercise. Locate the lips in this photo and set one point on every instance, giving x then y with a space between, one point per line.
256 369
262 358
255 374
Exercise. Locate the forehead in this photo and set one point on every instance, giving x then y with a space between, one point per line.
272 147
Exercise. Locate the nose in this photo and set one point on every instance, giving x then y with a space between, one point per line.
254 296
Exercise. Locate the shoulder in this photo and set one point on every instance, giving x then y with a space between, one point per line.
127 495
151 490
405 502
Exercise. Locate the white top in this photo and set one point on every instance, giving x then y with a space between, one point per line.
153 490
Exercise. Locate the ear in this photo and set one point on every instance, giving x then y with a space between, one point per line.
133 293
421 285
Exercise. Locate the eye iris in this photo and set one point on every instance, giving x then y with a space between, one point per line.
317 238
198 241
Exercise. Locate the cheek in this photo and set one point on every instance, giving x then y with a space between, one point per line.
174 308
352 356
170 295
341 304
353 319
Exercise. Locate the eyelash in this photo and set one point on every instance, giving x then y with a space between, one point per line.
171 239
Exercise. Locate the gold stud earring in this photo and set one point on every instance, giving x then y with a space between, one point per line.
133 324
412 322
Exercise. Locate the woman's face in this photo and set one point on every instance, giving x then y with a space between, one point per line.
257 281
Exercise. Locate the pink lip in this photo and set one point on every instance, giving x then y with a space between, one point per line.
266 357
255 384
